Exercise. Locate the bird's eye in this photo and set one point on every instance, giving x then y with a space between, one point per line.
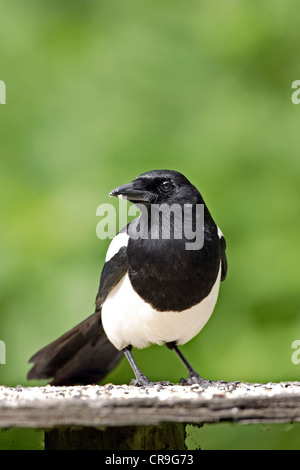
166 185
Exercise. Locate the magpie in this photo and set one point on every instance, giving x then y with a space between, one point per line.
153 289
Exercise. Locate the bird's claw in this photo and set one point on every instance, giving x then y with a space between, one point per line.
195 379
142 381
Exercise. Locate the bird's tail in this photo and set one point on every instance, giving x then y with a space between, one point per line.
83 355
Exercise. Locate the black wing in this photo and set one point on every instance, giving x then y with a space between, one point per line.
223 258
83 355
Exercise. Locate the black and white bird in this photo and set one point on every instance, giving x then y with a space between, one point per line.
153 290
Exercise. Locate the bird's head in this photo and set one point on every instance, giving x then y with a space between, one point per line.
159 187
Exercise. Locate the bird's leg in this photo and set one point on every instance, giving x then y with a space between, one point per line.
140 379
194 377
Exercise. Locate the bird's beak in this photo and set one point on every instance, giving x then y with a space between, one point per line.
132 193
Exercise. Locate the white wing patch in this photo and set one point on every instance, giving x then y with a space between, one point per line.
220 233
116 244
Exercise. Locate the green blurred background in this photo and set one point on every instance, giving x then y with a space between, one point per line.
101 91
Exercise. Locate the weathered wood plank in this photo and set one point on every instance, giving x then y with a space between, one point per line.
114 405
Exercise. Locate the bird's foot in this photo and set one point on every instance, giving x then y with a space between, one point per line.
142 381
195 379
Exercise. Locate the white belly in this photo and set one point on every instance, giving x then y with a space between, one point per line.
128 320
